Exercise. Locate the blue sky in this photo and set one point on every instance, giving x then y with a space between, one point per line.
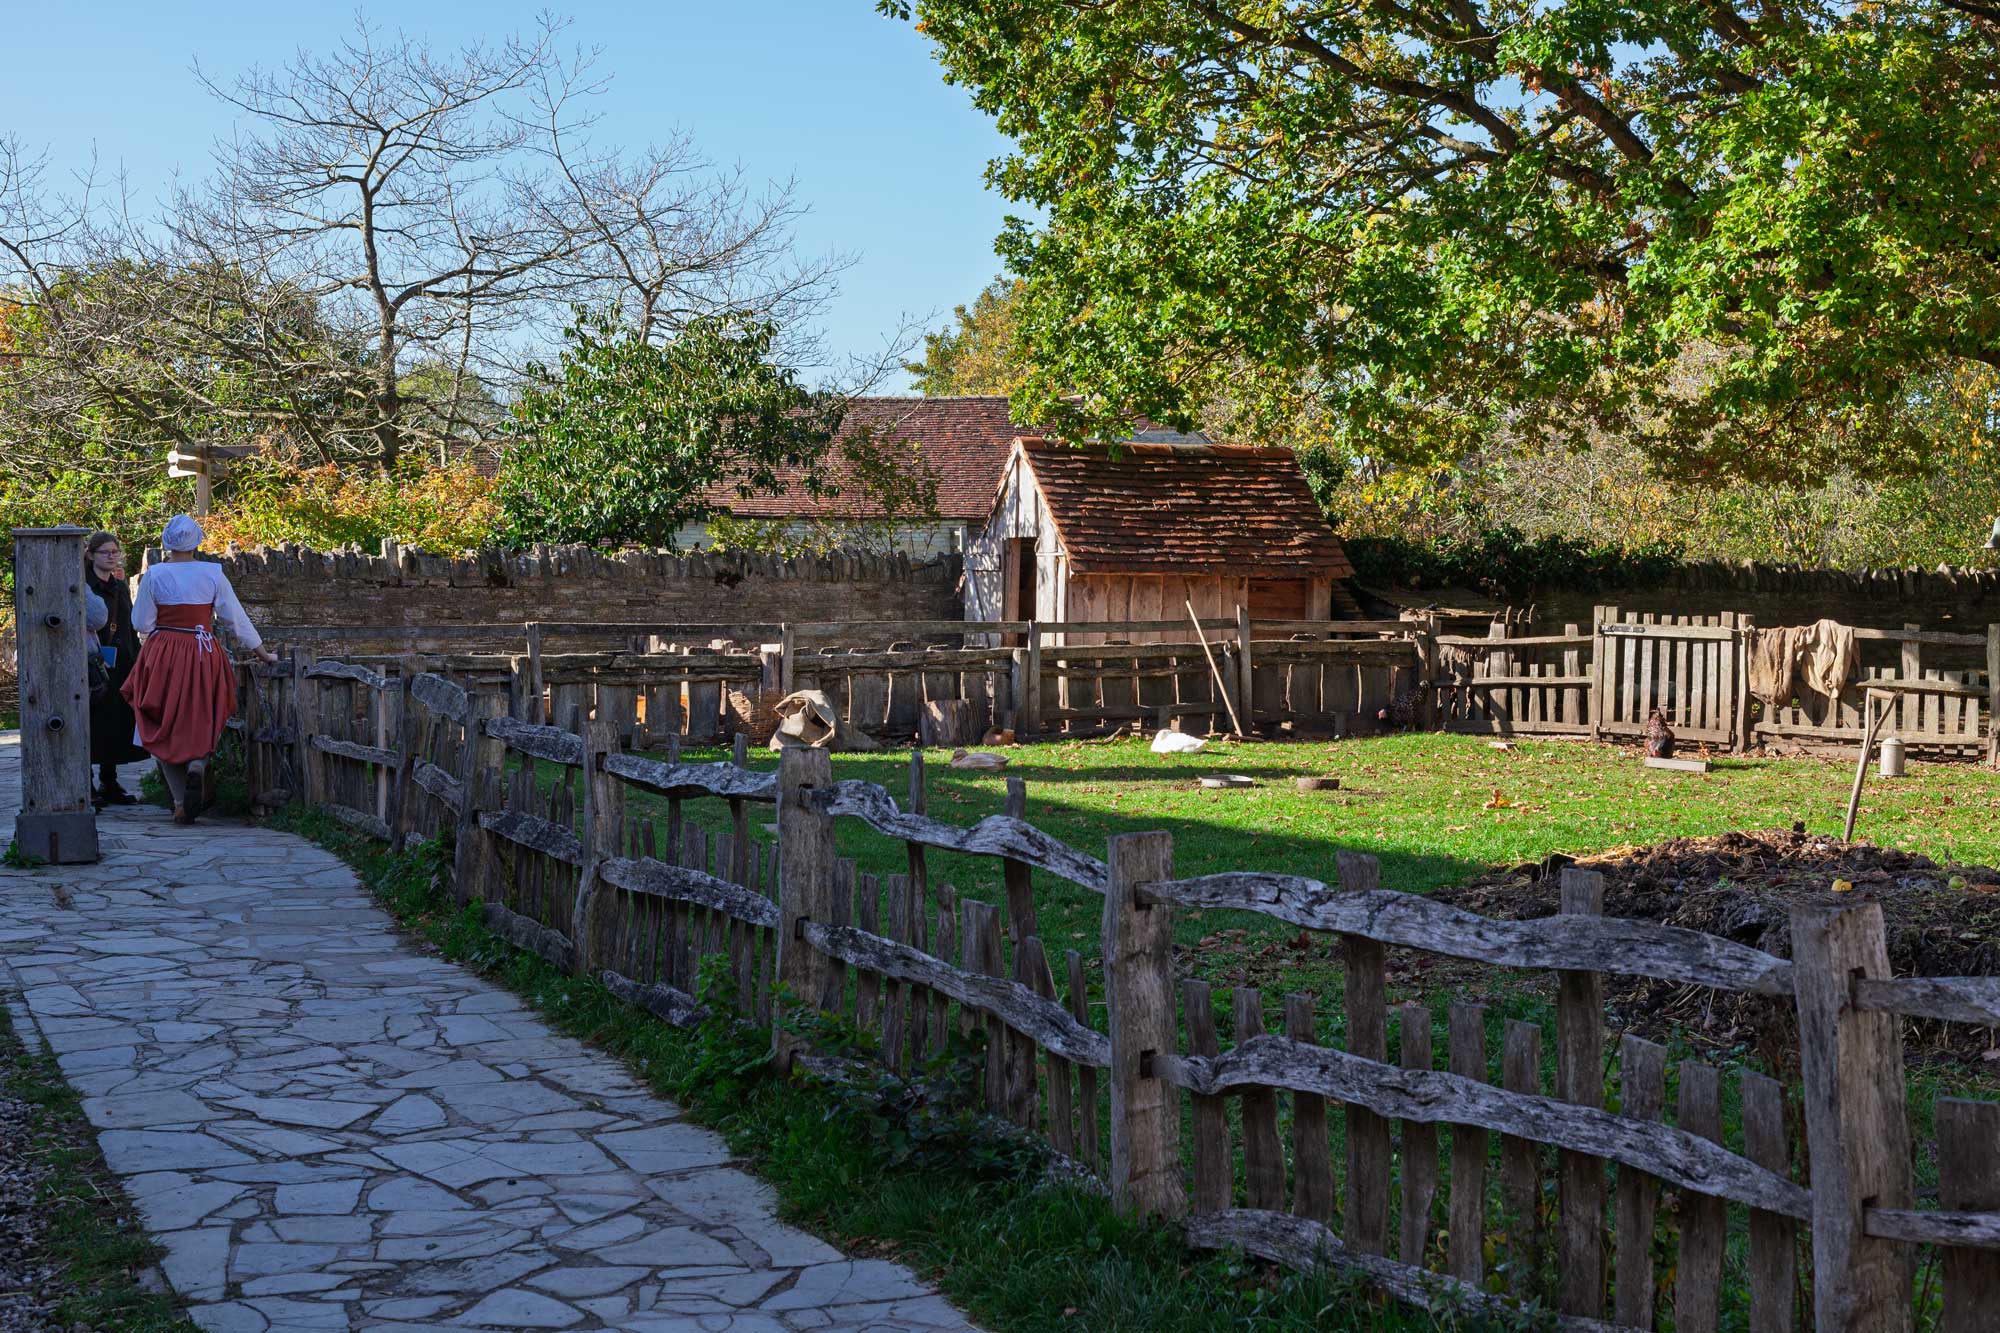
889 158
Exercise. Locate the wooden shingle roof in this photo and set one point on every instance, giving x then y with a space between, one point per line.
1168 509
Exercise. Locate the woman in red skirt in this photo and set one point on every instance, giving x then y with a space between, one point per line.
182 689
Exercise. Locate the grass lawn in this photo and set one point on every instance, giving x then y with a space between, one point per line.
1418 802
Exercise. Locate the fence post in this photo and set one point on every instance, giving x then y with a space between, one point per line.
1030 721
603 827
1993 695
1245 678
482 765
1857 1134
788 648
534 677
1597 666
1745 626
56 822
307 692
1139 992
410 731
805 885
1968 1141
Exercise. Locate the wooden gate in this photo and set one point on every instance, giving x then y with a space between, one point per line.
1687 667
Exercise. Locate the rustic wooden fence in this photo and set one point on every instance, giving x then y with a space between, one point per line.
1652 1214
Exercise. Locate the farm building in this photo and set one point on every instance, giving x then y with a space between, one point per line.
1091 534
961 442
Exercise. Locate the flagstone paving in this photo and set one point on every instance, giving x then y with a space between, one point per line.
326 1129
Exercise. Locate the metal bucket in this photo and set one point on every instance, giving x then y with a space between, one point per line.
1892 757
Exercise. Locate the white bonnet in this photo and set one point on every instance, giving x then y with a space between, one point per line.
182 534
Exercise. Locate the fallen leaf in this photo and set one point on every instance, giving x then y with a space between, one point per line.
1843 885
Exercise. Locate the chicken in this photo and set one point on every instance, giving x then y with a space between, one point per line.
1659 737
1401 714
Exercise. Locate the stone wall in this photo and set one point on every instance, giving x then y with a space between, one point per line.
378 595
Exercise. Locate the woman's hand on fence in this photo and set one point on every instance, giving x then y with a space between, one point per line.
267 657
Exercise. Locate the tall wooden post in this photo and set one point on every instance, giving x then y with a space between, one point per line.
1139 991
603 827
805 882
482 764
1245 677
1993 695
1030 720
1857 1130
57 823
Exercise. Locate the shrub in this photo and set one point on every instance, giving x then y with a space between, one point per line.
445 508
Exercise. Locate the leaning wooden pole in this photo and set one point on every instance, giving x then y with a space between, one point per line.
1222 686
1861 767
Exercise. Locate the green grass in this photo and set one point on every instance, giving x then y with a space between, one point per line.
89 1229
979 1219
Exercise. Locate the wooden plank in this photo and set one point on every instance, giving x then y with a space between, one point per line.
1993 695
979 925
895 995
1263 1151
1521 1159
1465 1260
1420 1145
1857 1131
1086 1076
805 878
1773 1272
1642 1071
1648 627
1415 922
1698 1279
378 755
1367 1218
1312 1161
1062 1111
1214 1184
1580 1080
1968 1140
1138 972
995 835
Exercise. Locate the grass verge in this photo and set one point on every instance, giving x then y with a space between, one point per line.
84 1221
976 1214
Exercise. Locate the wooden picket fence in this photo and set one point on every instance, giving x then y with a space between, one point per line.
1647 1206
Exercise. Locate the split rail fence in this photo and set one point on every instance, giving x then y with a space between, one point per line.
1653 1214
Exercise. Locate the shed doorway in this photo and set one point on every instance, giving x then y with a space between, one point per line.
1017 595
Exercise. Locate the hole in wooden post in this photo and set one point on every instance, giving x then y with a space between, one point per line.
1146 1064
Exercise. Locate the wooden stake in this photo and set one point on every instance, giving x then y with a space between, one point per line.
1861 768
1222 686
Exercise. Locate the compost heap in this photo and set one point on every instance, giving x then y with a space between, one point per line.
1943 920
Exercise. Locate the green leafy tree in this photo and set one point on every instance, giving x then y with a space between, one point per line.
625 440
982 353
1744 232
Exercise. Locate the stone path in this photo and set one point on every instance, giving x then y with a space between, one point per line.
327 1129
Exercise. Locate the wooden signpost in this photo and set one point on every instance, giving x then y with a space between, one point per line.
57 823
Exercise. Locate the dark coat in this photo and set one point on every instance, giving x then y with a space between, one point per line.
111 720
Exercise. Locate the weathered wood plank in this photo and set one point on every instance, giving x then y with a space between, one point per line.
1138 977
1968 1140
1939 1226
1467 1035
681 884
439 784
550 743
674 1007
441 696
379 755
1952 999
1521 1159
1008 1001
1642 1091
719 779
1857 1130
995 835
1698 1276
1580 1081
1086 1075
1420 1145
1413 922
526 933
372 824
1773 1239
1368 1161
1436 1097
535 833
1303 1244
1214 1174
1263 1151
1312 1158
1061 1109
328 669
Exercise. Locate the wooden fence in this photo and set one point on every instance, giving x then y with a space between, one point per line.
1648 1204
893 681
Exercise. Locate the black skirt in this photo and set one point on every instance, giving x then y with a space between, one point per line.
111 720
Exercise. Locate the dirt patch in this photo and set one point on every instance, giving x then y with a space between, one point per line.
1943 920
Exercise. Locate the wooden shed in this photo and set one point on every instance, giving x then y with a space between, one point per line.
1083 534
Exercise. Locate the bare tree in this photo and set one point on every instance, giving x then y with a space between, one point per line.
387 239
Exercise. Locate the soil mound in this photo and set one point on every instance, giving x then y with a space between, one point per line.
1943 920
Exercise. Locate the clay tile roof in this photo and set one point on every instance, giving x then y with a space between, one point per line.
1164 509
963 441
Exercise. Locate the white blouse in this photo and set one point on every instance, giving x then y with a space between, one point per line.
191 583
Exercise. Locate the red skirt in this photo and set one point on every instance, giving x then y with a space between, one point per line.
181 689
